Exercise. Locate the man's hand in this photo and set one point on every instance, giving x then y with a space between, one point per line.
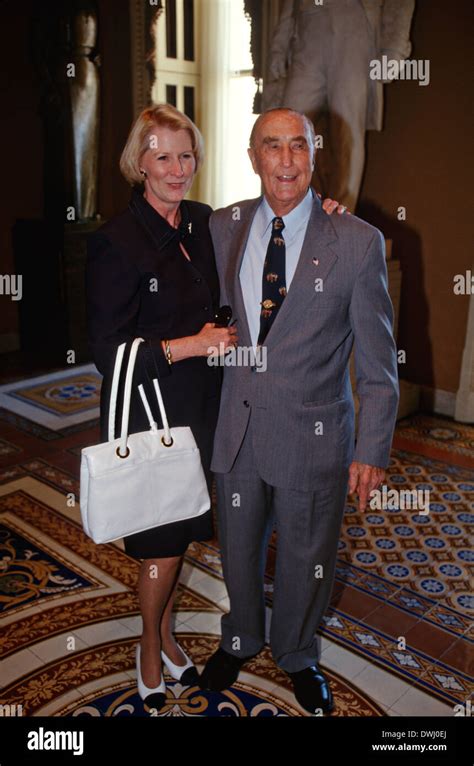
330 205
363 479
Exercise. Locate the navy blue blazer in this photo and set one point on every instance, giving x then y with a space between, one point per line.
139 284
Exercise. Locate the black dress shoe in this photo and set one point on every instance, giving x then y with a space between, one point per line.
312 690
221 670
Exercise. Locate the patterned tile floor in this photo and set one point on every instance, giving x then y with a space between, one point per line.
395 640
55 400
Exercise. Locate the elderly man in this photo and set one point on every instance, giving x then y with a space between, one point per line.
319 64
306 287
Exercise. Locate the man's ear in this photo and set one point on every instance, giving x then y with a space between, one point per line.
314 158
251 154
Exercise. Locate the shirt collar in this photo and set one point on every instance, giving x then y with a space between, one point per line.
293 221
157 226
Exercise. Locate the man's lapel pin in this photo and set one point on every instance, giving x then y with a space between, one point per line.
316 261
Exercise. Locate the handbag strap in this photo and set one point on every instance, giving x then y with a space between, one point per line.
148 411
114 390
123 449
167 439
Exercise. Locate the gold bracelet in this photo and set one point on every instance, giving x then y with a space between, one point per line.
169 358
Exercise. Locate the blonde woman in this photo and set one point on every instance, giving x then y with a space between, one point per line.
151 273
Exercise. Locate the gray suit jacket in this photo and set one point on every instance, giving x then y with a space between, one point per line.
306 387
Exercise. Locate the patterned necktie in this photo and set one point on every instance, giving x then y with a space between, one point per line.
273 279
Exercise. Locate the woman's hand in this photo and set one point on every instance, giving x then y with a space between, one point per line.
205 343
330 205
209 339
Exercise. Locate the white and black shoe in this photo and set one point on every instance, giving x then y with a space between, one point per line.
186 674
153 698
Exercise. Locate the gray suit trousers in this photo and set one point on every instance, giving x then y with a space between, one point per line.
308 527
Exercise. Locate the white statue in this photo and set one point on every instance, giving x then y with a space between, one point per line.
319 64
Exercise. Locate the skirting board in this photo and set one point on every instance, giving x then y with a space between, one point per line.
409 399
414 397
438 401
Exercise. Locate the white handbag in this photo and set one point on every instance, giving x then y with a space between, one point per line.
141 480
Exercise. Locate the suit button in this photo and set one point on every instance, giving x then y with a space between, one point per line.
206 308
198 280
246 403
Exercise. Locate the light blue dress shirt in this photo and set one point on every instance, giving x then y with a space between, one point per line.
251 270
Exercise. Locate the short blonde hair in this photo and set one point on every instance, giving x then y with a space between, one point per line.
156 116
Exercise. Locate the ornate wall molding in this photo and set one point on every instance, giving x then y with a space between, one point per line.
143 15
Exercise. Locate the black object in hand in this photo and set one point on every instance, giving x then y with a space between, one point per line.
223 316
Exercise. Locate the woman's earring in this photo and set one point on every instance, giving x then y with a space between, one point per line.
143 172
